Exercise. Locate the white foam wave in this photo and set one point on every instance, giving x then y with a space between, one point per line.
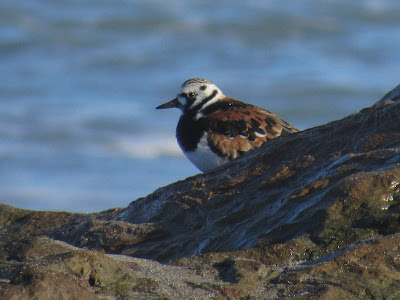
148 147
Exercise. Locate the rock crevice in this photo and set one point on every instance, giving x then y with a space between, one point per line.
303 215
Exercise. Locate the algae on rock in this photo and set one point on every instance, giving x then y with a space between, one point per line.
317 220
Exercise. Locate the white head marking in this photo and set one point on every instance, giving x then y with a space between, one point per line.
196 94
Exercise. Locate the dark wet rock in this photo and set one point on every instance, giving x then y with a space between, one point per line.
315 215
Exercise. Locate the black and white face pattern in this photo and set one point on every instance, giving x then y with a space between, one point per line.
196 94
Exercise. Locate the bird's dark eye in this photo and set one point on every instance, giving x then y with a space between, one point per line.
191 95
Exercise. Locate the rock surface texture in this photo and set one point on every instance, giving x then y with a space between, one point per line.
315 215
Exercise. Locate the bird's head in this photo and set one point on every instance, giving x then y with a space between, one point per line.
194 96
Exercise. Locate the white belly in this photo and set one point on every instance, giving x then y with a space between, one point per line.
205 159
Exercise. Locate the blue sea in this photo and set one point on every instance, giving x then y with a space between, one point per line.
80 80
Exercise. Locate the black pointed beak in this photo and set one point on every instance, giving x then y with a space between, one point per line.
170 104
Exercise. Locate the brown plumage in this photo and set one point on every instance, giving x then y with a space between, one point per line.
215 129
246 127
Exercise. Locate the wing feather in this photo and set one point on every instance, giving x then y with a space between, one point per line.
237 127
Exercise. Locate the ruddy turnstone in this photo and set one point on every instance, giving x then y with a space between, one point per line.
214 129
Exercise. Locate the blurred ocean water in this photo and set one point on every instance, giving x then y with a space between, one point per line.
79 83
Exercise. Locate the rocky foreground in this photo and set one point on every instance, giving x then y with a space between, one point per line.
315 215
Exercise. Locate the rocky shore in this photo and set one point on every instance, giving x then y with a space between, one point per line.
315 215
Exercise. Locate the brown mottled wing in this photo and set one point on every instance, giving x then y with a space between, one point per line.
239 127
